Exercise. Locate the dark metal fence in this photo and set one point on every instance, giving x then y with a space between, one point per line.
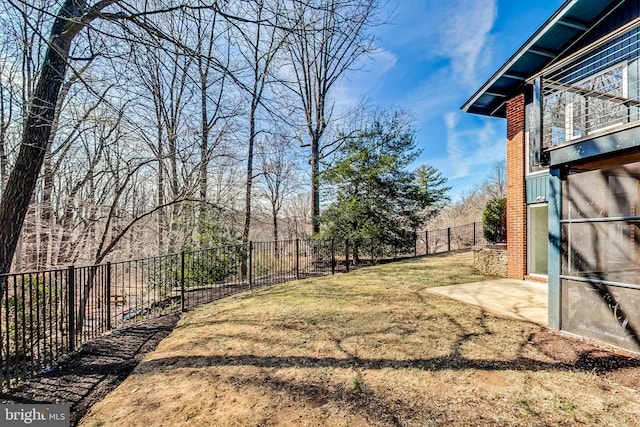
453 238
46 315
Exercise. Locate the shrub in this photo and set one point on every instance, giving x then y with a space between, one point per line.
494 220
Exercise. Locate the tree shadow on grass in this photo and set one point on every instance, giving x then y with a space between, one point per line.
587 362
577 356
379 409
376 409
562 353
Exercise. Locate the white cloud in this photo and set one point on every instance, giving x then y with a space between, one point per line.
464 35
455 149
381 61
450 38
470 150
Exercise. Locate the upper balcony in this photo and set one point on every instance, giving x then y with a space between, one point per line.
585 109
588 104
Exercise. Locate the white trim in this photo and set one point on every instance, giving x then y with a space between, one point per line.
538 276
536 174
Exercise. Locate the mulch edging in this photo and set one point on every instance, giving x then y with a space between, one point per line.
100 365
88 375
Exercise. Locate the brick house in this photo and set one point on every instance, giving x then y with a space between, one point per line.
571 98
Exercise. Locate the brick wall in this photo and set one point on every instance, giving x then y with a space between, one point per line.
516 203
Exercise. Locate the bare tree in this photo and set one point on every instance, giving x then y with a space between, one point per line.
296 214
166 77
469 205
8 94
85 143
69 21
495 185
217 111
279 174
21 43
258 44
328 40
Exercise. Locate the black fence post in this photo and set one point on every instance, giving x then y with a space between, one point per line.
474 234
415 244
5 376
449 239
297 258
373 252
108 296
182 296
333 257
71 303
426 242
250 264
346 253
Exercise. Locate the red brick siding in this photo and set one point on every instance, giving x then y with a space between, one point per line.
516 203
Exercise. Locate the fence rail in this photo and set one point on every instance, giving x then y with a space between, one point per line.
47 315
453 238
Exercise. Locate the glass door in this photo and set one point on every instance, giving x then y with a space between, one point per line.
538 240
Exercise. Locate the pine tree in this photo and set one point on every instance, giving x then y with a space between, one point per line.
377 196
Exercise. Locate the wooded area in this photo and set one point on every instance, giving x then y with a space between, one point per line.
135 129
138 128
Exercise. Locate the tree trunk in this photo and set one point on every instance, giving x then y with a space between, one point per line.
5 119
37 131
315 185
162 216
173 222
274 213
204 154
247 197
46 215
249 182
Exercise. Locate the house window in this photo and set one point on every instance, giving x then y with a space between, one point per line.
538 239
553 116
601 106
532 167
574 110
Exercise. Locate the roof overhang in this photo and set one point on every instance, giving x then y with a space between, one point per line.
567 25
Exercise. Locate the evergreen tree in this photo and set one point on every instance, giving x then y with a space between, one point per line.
494 220
433 188
377 196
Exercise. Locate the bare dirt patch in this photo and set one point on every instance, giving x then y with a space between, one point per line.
372 347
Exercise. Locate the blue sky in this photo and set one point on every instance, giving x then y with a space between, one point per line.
433 55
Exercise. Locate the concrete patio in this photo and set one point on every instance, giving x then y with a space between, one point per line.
516 299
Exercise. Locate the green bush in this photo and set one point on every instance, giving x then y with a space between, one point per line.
494 221
213 266
29 323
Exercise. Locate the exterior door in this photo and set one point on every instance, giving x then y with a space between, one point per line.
538 239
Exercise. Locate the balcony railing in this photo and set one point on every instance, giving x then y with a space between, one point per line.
573 112
593 92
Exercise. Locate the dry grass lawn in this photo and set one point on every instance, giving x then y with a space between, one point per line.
370 348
